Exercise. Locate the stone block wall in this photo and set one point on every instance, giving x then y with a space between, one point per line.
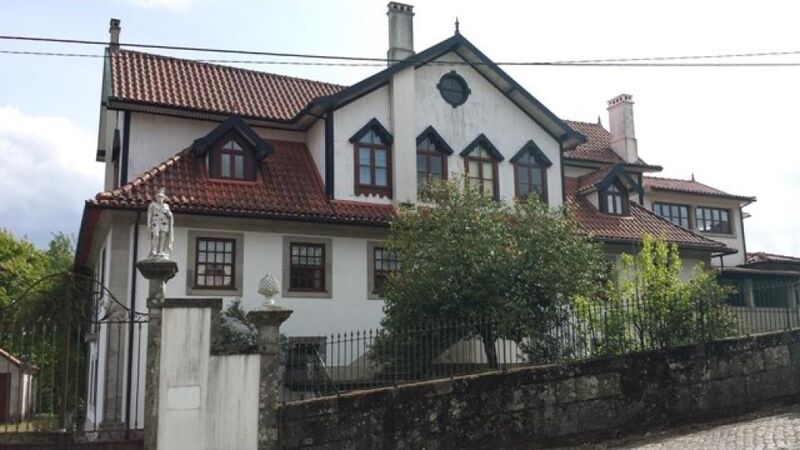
554 405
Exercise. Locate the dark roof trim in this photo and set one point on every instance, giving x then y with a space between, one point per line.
681 245
484 142
530 148
376 126
437 139
618 172
234 123
557 128
744 198
597 163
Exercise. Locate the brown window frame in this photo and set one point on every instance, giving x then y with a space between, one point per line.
198 263
622 193
383 274
372 188
495 181
700 210
530 167
430 153
321 267
214 160
661 205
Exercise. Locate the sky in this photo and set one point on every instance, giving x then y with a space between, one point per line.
730 127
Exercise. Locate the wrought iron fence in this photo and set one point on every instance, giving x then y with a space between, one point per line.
342 362
72 357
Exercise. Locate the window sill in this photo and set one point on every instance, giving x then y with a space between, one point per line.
306 294
370 190
206 292
713 233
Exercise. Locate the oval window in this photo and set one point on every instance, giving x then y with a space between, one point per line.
453 88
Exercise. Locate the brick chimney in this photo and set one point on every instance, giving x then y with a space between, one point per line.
113 33
401 32
620 119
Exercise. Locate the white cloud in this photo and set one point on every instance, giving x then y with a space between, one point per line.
175 5
47 171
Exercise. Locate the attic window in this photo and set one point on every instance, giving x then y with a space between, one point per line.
231 160
454 89
614 199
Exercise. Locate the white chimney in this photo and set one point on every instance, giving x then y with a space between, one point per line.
113 32
620 120
401 32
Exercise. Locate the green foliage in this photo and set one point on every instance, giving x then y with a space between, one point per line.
237 333
468 258
649 306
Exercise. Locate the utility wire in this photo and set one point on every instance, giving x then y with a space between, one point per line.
612 62
381 64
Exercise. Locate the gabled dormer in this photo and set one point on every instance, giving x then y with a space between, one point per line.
610 189
231 151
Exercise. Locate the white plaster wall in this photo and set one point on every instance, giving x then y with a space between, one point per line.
404 155
346 121
735 240
348 308
155 138
486 111
185 354
574 171
316 145
7 367
232 402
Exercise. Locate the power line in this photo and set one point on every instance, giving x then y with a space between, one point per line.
374 64
606 62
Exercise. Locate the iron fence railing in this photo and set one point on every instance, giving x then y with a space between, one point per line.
342 362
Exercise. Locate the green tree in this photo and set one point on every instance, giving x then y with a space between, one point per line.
466 258
649 306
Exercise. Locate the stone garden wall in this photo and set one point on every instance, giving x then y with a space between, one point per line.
551 405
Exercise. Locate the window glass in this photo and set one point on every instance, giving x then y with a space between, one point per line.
307 267
714 220
214 266
480 171
529 177
385 263
372 165
677 214
615 199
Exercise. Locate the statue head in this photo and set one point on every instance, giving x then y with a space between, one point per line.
161 195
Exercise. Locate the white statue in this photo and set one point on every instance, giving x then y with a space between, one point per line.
160 225
269 287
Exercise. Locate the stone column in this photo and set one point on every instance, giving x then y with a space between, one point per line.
157 272
267 322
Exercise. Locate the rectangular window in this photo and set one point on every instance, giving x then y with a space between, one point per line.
677 214
712 220
481 172
215 266
372 165
307 267
530 177
385 263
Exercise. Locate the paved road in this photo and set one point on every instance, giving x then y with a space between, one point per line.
775 429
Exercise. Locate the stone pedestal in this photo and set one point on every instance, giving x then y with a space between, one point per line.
267 322
157 272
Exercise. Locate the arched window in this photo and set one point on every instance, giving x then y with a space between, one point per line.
432 152
373 160
231 160
614 199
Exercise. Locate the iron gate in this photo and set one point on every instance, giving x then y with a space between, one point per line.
75 357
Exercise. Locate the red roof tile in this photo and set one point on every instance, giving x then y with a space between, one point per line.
597 147
288 187
757 257
185 84
631 228
689 187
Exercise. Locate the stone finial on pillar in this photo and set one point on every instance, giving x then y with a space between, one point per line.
267 322
157 272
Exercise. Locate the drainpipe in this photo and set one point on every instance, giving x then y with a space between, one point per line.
131 315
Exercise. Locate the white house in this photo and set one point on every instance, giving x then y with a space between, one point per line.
16 388
273 174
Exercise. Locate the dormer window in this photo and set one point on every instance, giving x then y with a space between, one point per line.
530 172
231 161
480 164
373 160
614 199
231 151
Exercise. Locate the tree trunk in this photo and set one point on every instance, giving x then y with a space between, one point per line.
488 336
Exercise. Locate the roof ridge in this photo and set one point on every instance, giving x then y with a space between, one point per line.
234 68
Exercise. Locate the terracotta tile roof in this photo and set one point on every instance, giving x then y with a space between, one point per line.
287 187
597 147
179 83
606 227
587 182
757 257
689 187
